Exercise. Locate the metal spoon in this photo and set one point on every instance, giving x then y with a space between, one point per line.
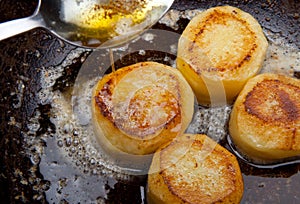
91 23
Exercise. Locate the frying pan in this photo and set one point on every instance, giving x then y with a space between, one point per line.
31 169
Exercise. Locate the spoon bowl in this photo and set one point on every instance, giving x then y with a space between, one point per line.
91 23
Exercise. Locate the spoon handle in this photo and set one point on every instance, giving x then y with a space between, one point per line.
14 27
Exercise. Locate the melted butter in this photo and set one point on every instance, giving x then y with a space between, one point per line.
282 59
104 14
103 17
97 22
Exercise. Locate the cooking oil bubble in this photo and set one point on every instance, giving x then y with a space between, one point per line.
60 143
142 52
92 161
68 142
76 142
148 37
68 127
75 133
73 150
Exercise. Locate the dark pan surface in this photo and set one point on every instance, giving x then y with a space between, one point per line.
31 171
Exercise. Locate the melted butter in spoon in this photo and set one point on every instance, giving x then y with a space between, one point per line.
104 20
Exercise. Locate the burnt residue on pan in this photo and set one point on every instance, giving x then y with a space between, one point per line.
16 9
36 66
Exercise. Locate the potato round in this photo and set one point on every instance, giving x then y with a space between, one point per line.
265 120
140 107
219 50
194 169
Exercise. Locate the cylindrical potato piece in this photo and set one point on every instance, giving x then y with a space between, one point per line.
219 50
194 169
265 120
138 108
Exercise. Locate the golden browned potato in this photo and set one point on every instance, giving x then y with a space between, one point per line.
219 50
194 169
140 107
265 120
